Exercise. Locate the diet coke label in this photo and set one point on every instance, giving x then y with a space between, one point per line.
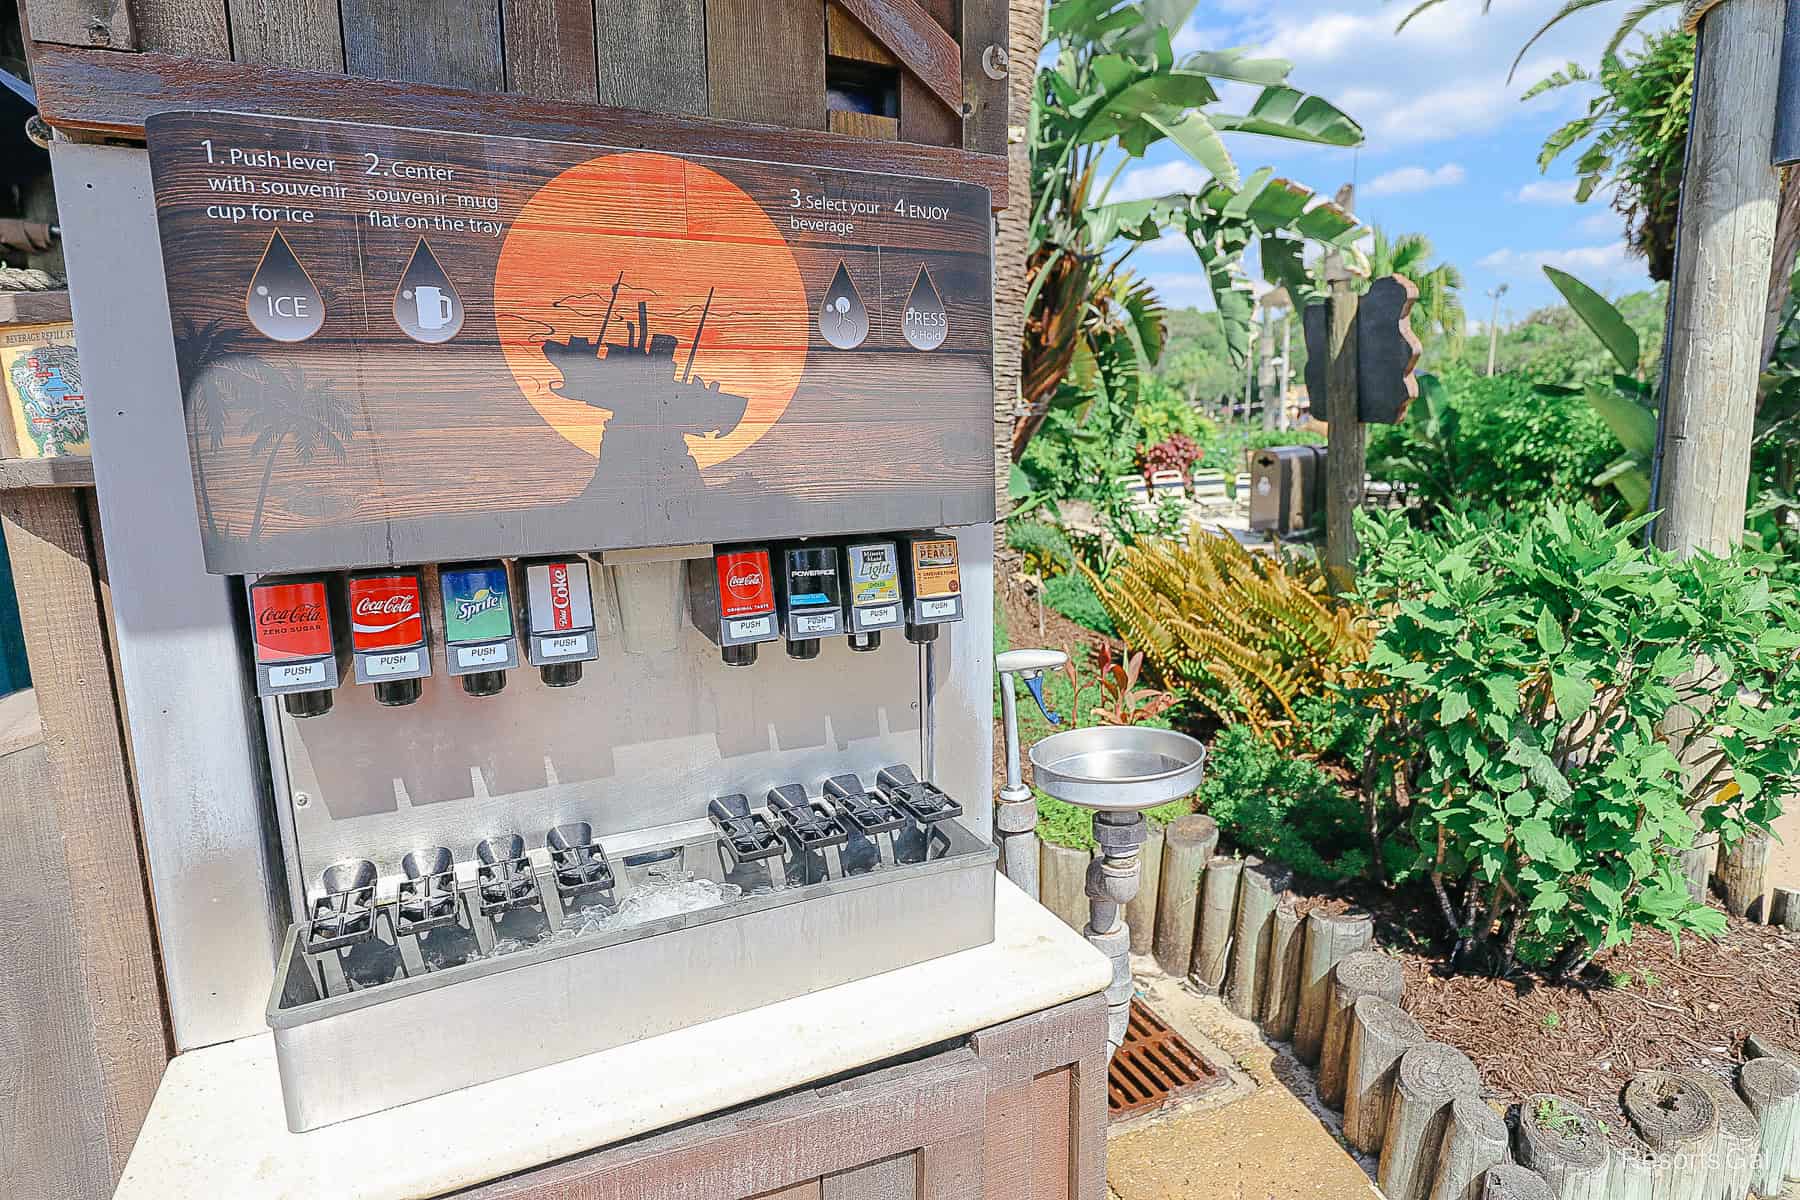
559 596
746 585
387 612
292 620
561 615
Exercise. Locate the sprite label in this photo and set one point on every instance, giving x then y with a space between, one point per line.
477 604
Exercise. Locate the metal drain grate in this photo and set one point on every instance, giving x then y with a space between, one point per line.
1155 1066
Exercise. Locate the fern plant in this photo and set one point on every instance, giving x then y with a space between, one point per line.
1247 636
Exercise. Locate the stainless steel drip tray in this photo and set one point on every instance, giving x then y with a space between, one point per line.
402 1016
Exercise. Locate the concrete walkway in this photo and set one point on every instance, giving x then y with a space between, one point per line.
1262 1137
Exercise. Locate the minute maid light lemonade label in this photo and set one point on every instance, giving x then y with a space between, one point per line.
874 575
477 605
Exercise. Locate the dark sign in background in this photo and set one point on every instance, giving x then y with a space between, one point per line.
401 346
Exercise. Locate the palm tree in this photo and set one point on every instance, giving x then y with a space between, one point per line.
1639 12
203 353
313 416
1439 308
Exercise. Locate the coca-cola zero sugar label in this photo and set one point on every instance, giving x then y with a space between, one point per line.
386 612
291 620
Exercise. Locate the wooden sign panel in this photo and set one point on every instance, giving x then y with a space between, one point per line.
401 346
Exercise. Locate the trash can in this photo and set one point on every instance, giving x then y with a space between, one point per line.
1285 488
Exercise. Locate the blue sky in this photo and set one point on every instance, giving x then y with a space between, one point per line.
1451 151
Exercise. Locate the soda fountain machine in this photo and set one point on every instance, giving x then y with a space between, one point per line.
543 780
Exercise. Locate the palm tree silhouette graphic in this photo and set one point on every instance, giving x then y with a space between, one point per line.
290 410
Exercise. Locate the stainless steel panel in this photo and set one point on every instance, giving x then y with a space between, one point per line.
208 830
359 1053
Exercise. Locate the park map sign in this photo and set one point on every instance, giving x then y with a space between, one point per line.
400 346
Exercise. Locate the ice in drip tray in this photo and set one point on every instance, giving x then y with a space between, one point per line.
659 894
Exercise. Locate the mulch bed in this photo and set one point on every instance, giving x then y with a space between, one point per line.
1641 1006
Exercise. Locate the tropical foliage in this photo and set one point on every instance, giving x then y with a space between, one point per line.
1527 670
1638 12
1111 88
1438 311
1631 142
1245 636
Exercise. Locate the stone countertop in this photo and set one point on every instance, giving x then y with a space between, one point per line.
218 1128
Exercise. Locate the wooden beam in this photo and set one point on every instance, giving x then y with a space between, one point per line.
1717 298
454 43
653 56
766 62
200 27
846 38
66 471
34 308
94 93
104 24
986 40
864 125
550 48
917 40
1346 451
89 803
287 33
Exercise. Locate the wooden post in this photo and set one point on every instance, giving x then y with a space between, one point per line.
1679 1123
1721 284
1329 937
1744 875
1012 239
1346 446
1561 1142
1735 1139
108 1056
1281 1005
1187 843
1265 371
1261 887
1140 914
1475 1141
1509 1181
1062 878
1218 913
1380 1032
1365 973
1784 909
1697 864
1758 1046
1428 1079
1771 1087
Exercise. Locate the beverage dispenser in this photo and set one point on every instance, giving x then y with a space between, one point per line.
626 447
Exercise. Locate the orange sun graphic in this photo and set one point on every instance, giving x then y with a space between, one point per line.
664 233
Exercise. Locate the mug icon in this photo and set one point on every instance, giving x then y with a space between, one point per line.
435 309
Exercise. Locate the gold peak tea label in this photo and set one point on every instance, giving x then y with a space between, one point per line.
932 582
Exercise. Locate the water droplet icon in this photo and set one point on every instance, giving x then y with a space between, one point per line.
427 305
924 322
282 301
843 320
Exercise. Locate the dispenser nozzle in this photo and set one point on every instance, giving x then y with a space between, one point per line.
1034 682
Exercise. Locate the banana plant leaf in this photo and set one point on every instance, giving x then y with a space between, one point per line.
1619 338
1633 423
1284 112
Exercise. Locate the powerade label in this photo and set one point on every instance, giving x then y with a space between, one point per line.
874 574
291 620
386 612
812 577
746 587
477 604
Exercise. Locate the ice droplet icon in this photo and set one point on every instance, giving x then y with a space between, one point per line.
843 320
924 322
282 301
427 305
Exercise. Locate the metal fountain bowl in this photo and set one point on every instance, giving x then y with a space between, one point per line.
1123 768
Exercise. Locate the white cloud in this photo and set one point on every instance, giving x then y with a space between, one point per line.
1141 183
1606 268
1602 221
1548 192
1183 289
1407 180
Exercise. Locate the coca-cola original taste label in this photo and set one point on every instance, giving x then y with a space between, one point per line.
746 586
291 620
387 612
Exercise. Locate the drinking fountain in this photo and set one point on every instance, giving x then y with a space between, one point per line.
1117 771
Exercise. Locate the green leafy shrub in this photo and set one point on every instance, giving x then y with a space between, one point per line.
1045 549
1073 596
1473 442
1528 670
1286 808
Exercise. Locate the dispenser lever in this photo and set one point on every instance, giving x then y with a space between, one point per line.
1034 682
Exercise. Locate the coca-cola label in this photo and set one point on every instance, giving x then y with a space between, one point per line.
292 620
746 587
386 612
